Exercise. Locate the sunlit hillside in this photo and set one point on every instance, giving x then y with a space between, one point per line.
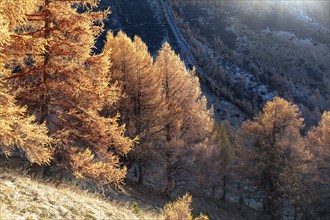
260 49
23 197
164 109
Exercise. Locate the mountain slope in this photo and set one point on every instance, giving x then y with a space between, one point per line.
24 198
155 26
261 50
244 56
150 25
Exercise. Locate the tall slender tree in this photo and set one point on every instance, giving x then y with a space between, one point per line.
141 108
187 119
54 73
225 150
318 142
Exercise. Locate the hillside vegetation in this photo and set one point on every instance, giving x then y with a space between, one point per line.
122 118
263 49
22 197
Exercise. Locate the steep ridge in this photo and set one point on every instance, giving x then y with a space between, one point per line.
262 50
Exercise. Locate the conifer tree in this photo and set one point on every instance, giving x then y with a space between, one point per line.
132 67
225 150
217 160
54 73
318 142
274 155
17 129
187 119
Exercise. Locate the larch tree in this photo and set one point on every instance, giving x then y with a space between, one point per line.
17 129
141 108
318 143
223 154
273 154
217 160
187 122
54 72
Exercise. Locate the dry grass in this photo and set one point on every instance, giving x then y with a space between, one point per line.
22 197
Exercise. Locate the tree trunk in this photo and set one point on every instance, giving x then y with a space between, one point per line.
224 187
44 109
140 174
170 184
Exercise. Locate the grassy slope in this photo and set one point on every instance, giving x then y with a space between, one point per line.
22 197
26 197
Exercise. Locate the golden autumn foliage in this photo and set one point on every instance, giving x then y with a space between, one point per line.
274 153
52 70
318 143
84 165
17 129
318 138
61 102
185 107
202 217
162 104
180 210
132 68
142 106
188 122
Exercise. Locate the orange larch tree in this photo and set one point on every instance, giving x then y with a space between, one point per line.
55 73
141 108
274 156
188 122
318 142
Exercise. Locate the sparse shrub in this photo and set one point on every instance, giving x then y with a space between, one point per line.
197 215
136 208
180 210
202 217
